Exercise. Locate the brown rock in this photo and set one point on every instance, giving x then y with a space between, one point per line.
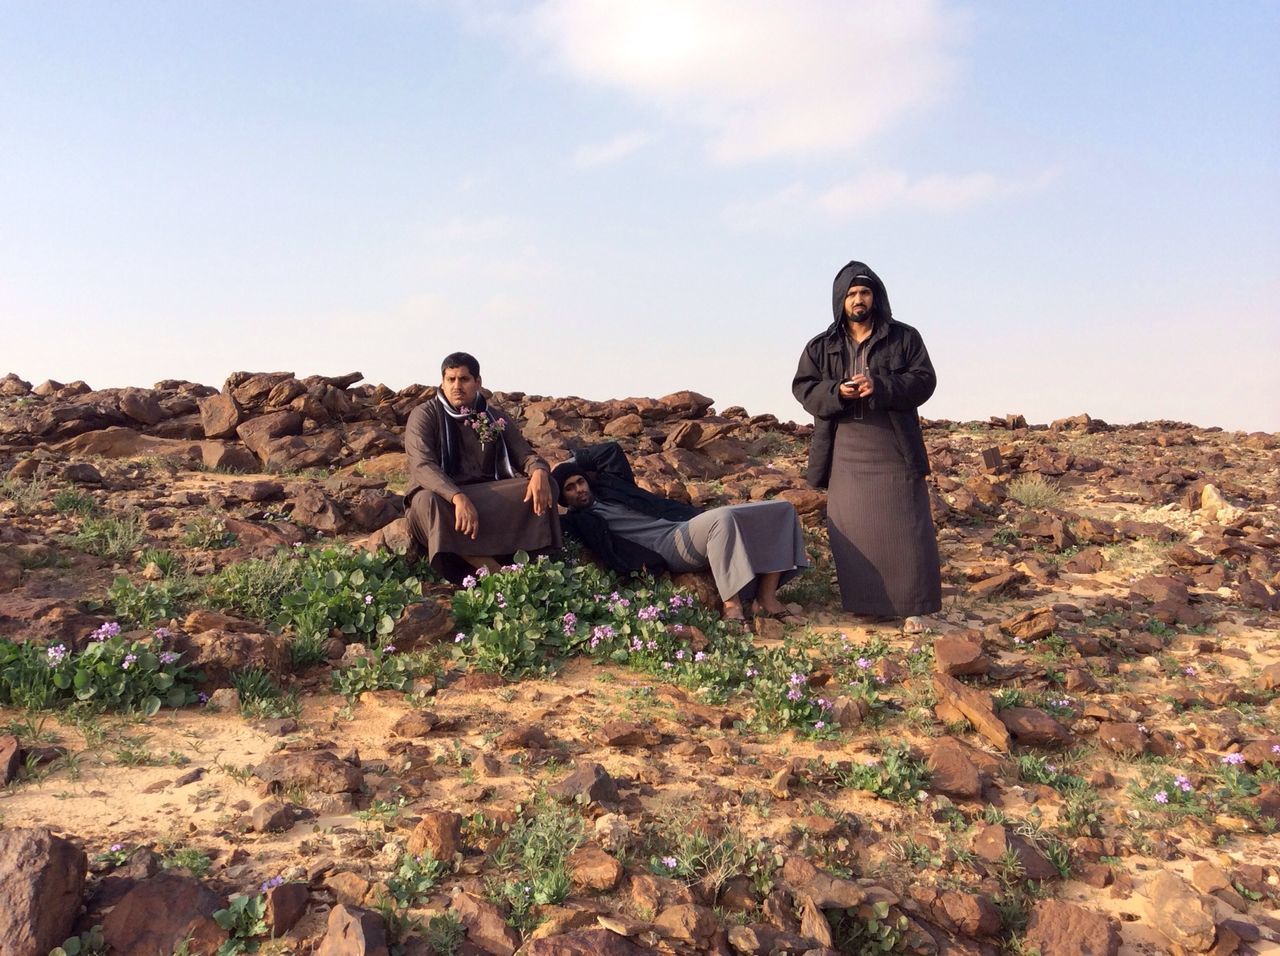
970 913
1006 582
958 655
41 882
272 816
312 508
627 426
686 404
285 905
1035 728
952 771
348 888
588 780
623 733
529 737
976 707
1123 738
994 840
485 925
219 416
1058 928
687 922
218 456
141 405
594 869
825 890
220 653
1031 625
352 931
1180 913
314 770
10 760
154 917
1159 588
416 723
439 833
294 452
587 942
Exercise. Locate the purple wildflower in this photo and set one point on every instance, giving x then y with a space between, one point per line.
1183 783
500 599
751 672
389 649
482 572
650 613
670 862
819 724
794 694
680 654
568 623
116 847
699 657
272 883
863 663
110 629
56 654
667 665
169 657
368 599
459 638
1233 760
1189 671
1161 797
163 633
795 680
469 581
129 661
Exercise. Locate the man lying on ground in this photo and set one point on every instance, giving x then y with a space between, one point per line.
750 549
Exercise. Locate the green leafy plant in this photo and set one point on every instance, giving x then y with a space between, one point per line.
884 931
207 532
415 878
110 673
152 601
256 587
74 501
382 669
27 495
243 919
196 862
89 943
359 593
444 933
895 775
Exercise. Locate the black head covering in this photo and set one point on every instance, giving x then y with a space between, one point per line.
858 273
563 472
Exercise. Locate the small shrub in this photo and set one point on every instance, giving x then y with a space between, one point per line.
783 697
27 495
75 502
1035 491
445 933
110 536
197 862
359 593
152 601
256 587
261 696
382 669
207 532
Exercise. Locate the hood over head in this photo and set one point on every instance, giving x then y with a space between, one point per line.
858 273
563 472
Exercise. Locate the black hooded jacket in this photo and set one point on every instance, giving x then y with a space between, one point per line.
609 474
897 363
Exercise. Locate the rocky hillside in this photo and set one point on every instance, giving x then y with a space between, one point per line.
220 723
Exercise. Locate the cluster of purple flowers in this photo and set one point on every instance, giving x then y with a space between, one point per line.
1160 796
368 599
677 601
603 632
1183 783
163 633
650 613
568 623
272 883
110 629
56 655
617 603
1233 760
169 657
129 661
500 599
864 663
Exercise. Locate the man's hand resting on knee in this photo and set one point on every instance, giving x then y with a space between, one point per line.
539 491
466 518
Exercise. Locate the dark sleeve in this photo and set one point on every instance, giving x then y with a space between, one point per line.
422 448
819 396
910 386
606 458
594 533
523 458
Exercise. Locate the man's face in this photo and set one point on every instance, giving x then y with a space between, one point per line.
576 492
857 303
460 387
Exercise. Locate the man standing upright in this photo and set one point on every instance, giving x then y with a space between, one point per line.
749 549
862 380
477 491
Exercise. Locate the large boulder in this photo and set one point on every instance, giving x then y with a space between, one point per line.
157 915
41 881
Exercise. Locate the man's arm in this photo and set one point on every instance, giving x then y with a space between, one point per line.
820 396
606 458
523 457
908 388
422 447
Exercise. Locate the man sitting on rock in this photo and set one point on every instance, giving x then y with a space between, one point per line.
477 491
750 549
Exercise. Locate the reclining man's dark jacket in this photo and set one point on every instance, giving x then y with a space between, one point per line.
611 479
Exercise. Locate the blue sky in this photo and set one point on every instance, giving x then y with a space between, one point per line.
1077 204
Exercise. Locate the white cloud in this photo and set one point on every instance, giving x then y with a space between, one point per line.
601 154
763 79
879 191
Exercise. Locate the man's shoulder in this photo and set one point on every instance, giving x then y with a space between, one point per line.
903 330
426 410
